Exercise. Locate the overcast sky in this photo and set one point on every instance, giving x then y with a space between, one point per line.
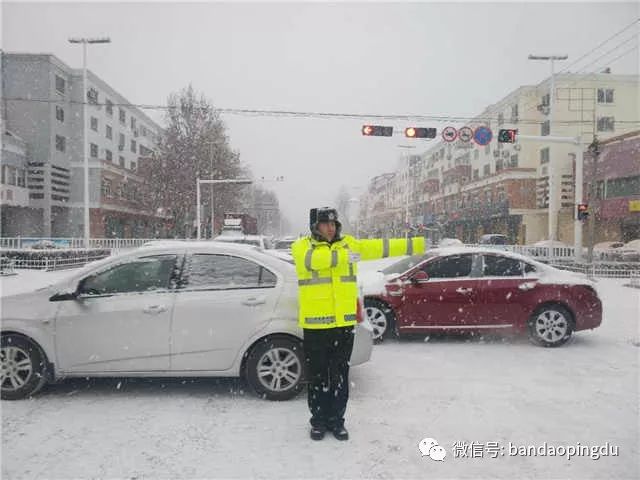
392 58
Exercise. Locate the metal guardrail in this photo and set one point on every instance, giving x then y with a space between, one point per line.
603 270
49 264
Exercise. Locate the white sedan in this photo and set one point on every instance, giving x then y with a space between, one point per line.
175 310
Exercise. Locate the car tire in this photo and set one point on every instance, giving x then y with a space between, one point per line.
550 326
275 368
381 318
24 367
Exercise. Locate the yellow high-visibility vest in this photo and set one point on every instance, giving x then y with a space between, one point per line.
327 280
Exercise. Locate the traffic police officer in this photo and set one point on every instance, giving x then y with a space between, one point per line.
326 264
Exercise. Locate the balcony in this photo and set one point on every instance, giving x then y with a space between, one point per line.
480 211
431 185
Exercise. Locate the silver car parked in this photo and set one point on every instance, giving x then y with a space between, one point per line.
180 309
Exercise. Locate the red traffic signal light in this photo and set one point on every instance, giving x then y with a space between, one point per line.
377 131
417 132
507 135
583 211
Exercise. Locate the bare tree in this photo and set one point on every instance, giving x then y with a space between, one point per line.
194 145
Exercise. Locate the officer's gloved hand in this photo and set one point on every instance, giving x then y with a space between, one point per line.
354 257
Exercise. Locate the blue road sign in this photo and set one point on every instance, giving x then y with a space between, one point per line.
482 135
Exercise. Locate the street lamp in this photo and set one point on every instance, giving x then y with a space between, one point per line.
553 207
86 41
239 181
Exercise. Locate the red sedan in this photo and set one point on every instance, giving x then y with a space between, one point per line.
475 289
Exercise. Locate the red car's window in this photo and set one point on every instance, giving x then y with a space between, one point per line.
452 266
499 266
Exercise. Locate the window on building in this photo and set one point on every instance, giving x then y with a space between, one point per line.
61 143
106 187
121 141
108 155
59 113
545 128
134 146
109 107
487 150
476 174
121 161
94 124
486 170
606 124
94 150
22 177
513 161
60 84
605 95
92 96
133 166
623 187
499 165
500 118
514 113
544 156
133 123
123 116
109 133
600 189
544 171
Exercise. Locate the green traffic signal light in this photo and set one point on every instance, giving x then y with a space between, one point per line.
507 135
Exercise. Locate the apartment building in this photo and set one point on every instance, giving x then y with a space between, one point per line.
46 104
464 190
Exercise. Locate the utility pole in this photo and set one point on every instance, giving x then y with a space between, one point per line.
594 150
86 41
553 181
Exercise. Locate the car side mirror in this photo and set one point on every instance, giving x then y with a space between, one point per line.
419 276
62 296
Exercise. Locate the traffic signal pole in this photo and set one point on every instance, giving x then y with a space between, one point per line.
577 224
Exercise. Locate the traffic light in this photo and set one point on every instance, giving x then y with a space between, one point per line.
416 132
377 131
507 135
583 211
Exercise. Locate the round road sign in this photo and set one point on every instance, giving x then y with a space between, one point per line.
482 135
465 134
449 134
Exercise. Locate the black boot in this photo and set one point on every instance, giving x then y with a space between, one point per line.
317 433
341 433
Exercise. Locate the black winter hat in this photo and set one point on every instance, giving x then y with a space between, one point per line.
324 214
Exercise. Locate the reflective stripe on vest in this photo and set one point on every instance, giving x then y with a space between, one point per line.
350 317
385 247
307 259
314 281
322 320
351 277
334 258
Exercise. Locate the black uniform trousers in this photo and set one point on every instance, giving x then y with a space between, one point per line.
327 354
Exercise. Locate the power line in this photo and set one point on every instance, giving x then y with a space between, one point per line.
600 45
305 114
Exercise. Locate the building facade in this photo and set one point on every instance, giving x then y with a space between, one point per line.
46 104
463 190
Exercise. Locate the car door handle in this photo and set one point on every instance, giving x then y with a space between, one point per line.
253 301
463 290
527 286
155 309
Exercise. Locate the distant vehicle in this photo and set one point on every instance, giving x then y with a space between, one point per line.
631 251
240 223
234 237
284 243
450 242
183 309
478 290
611 251
494 239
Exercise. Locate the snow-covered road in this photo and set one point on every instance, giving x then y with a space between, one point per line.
450 389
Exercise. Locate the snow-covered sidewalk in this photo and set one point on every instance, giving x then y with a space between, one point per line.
450 389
